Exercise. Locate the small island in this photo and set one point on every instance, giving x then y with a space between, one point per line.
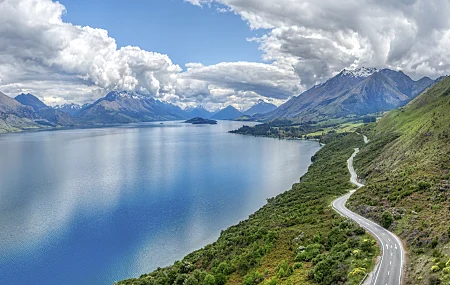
201 121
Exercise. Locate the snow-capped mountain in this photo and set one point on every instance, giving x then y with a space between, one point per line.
70 108
352 92
362 72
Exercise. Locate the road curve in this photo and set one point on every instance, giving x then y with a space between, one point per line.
390 268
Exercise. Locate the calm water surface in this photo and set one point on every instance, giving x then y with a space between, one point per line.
94 206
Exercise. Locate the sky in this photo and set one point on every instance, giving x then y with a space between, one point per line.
212 53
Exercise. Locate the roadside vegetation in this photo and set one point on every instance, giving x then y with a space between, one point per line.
406 166
296 238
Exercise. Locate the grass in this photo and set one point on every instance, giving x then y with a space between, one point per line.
341 128
289 129
296 238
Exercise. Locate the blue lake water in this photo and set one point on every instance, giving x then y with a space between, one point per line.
94 206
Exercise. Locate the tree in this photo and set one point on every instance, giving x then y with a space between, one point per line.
386 219
191 281
209 280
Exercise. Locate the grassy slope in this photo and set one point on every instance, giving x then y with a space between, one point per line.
407 171
262 248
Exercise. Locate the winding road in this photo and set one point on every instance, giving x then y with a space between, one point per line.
389 269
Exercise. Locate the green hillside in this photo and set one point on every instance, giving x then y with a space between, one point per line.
407 168
296 238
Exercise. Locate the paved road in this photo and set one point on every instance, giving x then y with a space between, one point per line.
389 270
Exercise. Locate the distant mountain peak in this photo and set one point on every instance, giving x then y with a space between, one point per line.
68 106
31 100
260 107
361 72
228 113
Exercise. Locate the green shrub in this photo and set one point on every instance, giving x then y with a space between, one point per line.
435 268
386 219
311 252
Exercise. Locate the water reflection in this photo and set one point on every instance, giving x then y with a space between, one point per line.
117 202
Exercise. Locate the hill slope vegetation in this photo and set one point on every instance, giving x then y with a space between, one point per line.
407 168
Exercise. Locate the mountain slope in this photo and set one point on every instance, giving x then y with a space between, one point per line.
129 107
229 113
407 168
71 109
358 92
260 108
31 100
15 116
198 112
45 115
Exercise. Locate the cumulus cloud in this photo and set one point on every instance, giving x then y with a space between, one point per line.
61 63
319 38
40 45
240 84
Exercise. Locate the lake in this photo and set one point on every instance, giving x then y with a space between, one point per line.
94 206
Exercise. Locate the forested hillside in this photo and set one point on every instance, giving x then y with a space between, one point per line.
407 168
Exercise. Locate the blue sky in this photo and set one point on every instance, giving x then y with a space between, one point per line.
185 32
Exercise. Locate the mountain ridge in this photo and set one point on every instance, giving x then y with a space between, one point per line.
359 92
129 107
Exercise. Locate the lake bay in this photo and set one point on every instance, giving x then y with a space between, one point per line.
94 206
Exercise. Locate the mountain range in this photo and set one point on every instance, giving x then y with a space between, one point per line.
119 107
45 115
352 92
26 111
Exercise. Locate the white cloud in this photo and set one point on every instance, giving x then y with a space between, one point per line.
303 42
39 44
320 38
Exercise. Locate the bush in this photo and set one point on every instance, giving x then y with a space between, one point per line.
386 219
311 252
253 278
434 243
190 281
423 185
433 280
435 268
209 280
